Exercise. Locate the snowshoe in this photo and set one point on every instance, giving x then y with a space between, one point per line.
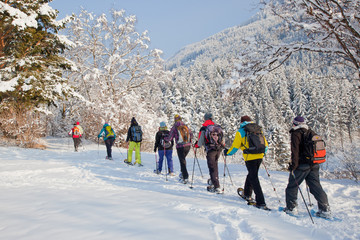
292 212
212 189
323 214
249 200
263 207
128 163
184 181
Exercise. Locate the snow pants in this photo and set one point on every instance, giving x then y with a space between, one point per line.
252 182
135 145
212 158
77 142
108 143
168 155
182 152
311 176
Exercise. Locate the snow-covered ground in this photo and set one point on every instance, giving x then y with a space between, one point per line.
61 194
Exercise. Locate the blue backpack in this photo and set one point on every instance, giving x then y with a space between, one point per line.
136 133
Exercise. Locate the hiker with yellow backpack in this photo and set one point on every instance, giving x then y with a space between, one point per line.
76 133
109 138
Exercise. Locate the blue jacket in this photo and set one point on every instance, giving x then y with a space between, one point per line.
103 132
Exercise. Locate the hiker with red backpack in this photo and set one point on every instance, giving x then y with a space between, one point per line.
109 137
211 137
165 149
76 133
303 168
183 136
250 139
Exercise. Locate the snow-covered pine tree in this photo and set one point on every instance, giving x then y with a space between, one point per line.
115 68
30 66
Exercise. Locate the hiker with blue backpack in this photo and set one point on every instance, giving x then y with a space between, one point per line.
211 137
250 139
134 137
165 149
109 136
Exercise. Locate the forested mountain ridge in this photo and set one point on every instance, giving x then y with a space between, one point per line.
207 77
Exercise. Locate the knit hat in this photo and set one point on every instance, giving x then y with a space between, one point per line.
77 123
162 124
133 121
177 118
207 116
245 119
298 120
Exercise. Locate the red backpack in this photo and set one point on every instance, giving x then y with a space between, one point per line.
314 147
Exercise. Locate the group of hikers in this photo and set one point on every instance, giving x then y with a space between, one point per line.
249 138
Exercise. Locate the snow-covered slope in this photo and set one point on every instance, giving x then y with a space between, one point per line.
60 194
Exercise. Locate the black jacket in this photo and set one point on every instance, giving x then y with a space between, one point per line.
297 157
158 138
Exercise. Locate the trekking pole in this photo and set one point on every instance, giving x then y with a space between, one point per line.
271 180
198 162
292 173
224 177
156 164
98 147
228 170
192 178
119 151
166 170
307 189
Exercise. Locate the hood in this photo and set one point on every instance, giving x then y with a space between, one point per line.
294 128
134 122
243 124
105 125
208 123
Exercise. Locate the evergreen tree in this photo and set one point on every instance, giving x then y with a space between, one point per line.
30 62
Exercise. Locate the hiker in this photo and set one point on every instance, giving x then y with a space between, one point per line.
252 162
183 136
76 132
212 139
109 136
300 170
134 137
165 148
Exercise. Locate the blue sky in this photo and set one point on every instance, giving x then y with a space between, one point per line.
172 24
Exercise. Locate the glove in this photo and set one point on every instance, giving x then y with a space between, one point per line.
196 145
225 151
291 167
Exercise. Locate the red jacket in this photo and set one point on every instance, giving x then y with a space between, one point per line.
202 130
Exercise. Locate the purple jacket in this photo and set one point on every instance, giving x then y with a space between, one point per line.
174 134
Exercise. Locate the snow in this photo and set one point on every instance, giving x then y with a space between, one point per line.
57 193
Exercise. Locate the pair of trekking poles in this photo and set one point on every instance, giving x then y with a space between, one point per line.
197 160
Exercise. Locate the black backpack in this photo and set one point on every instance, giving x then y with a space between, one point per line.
136 133
165 144
210 143
254 135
